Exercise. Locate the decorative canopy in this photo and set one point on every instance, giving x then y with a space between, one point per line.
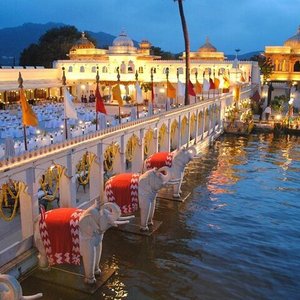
83 43
294 41
207 47
123 40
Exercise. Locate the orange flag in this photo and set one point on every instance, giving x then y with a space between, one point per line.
29 117
198 87
116 91
171 90
216 83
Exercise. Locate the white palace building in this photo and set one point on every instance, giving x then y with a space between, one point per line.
132 61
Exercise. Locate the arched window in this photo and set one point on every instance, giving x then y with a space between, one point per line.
221 71
165 70
194 71
284 65
131 68
82 69
123 68
297 66
70 69
93 69
104 69
141 70
207 71
180 70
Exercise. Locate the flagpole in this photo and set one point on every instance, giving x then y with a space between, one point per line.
97 82
64 85
137 105
152 89
167 76
118 77
177 87
20 81
196 75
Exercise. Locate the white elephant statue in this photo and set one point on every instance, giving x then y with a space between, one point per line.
175 161
133 191
10 289
62 235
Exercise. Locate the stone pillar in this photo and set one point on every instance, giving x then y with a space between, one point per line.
28 205
189 128
121 166
67 184
100 156
168 142
138 159
197 126
96 180
179 133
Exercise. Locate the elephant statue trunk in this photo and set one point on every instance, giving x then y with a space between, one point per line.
10 289
83 233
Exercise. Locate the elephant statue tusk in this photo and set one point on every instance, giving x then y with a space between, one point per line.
125 218
37 296
121 222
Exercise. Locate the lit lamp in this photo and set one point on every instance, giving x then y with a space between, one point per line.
290 112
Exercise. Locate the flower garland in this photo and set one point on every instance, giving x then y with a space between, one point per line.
183 126
148 139
109 156
193 124
5 191
52 177
84 167
162 134
130 147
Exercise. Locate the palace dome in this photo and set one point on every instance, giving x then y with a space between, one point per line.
83 43
207 47
123 40
294 41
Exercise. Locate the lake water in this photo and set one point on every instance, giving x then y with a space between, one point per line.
236 237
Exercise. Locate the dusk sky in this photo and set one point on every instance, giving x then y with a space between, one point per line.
230 24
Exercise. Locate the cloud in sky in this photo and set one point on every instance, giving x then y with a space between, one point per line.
230 24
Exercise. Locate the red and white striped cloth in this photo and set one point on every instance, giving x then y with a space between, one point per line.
159 160
123 190
59 229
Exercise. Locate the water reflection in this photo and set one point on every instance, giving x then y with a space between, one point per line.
236 237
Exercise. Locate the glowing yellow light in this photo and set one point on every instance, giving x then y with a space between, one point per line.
278 117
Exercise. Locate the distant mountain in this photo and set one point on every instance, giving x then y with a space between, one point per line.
15 39
245 56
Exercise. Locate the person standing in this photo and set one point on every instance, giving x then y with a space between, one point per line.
260 110
268 112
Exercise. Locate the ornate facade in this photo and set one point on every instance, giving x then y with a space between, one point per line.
286 59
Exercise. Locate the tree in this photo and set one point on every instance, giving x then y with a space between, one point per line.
54 44
164 54
187 50
265 64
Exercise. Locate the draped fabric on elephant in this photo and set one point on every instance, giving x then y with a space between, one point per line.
123 190
159 160
58 223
